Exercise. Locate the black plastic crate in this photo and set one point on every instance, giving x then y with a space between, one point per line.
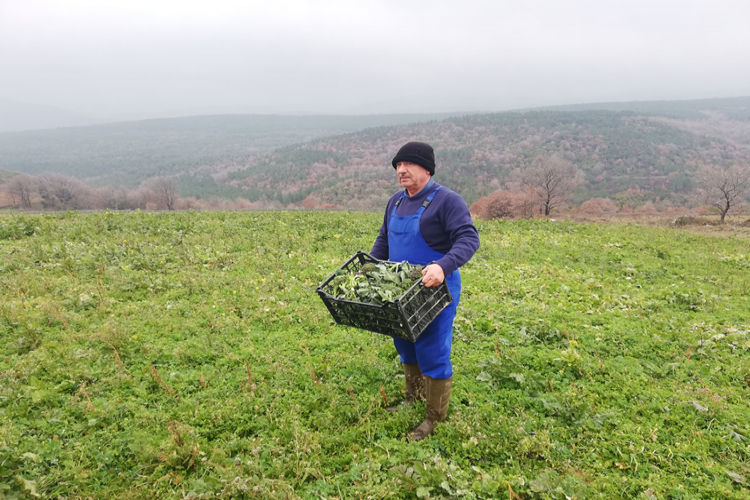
405 318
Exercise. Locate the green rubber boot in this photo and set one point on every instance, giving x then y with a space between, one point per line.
414 386
438 395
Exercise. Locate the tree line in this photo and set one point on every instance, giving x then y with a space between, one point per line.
60 192
550 181
615 153
547 183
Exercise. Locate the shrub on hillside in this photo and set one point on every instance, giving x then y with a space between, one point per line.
598 206
706 210
479 208
647 209
500 206
505 205
677 211
690 220
311 202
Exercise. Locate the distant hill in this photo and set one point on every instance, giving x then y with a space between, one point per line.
639 150
126 153
5 175
733 108
622 154
18 116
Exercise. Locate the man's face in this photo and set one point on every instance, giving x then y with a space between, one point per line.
412 176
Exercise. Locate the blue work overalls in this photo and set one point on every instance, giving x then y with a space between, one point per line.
432 350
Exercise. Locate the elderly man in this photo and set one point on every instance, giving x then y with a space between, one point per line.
427 224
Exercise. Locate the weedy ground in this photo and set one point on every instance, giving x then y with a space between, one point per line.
186 355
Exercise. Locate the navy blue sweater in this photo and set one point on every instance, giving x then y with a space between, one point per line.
446 226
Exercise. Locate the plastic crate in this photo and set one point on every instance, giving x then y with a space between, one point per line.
405 318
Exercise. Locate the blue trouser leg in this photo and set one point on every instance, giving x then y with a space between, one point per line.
406 350
432 350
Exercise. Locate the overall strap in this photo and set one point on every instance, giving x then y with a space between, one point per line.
427 202
398 202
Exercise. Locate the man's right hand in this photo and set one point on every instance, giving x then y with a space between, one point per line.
432 275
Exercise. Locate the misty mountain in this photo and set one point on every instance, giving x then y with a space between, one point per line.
127 153
17 116
621 154
647 148
732 108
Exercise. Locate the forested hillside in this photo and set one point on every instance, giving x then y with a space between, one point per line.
734 108
621 154
631 153
125 154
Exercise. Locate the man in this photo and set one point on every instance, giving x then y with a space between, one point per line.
430 225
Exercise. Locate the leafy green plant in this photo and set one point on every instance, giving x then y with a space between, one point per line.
376 283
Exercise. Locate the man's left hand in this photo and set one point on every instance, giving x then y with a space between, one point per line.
432 275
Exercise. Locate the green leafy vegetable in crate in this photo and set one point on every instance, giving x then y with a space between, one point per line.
376 283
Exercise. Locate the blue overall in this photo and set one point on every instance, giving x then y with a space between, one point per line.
432 350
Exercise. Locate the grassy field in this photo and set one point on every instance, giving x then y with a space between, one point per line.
186 355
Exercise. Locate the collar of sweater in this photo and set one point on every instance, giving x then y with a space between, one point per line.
422 192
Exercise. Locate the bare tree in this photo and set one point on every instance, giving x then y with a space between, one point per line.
61 192
108 197
118 198
5 188
164 190
551 179
723 188
20 188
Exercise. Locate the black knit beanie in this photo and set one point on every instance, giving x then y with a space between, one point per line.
416 152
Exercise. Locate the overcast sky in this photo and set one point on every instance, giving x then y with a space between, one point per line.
147 58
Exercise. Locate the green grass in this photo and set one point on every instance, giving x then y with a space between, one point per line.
177 355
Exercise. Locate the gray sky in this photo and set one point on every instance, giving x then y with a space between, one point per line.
148 58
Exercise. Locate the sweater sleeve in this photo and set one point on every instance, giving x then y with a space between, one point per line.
457 223
380 247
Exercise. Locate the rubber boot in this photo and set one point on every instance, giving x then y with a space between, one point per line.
414 386
438 395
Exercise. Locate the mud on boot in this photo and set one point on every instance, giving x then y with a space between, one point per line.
414 387
437 395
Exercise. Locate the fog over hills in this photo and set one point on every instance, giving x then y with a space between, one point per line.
623 155
16 116
735 108
646 147
127 153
